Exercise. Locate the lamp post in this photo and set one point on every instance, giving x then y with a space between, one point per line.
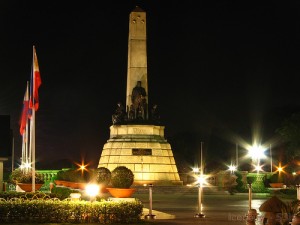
256 152
200 183
237 156
298 191
271 163
252 213
150 215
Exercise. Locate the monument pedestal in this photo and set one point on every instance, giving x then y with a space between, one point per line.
144 150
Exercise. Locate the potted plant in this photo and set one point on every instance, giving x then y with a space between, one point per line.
291 211
121 180
296 218
71 178
24 180
276 180
103 177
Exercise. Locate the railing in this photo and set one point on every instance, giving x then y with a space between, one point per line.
47 177
47 174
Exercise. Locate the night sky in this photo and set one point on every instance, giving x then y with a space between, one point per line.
216 69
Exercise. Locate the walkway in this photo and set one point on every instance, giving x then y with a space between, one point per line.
219 209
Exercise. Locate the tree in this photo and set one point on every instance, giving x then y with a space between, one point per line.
290 133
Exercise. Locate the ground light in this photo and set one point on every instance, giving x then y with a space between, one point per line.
92 191
75 196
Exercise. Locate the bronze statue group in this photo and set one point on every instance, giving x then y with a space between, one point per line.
138 110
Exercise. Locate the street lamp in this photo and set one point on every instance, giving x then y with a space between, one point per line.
82 167
196 170
256 152
232 168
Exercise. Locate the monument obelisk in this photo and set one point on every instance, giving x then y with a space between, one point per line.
137 54
136 136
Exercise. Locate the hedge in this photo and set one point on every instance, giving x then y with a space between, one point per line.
18 210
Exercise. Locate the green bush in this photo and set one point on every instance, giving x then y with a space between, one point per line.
251 179
122 177
19 176
41 211
7 195
276 178
63 192
73 175
288 191
240 187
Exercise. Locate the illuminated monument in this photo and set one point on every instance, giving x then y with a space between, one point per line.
136 136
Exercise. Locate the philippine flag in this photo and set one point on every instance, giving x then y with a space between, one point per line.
35 83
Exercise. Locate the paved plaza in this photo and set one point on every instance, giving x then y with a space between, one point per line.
218 208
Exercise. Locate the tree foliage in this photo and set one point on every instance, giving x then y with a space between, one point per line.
290 133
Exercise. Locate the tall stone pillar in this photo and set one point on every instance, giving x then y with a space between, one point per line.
137 54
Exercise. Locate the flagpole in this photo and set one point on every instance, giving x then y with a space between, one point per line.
26 144
271 159
237 156
32 122
26 130
23 150
13 154
35 83
33 150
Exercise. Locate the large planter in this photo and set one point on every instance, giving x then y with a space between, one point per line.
121 192
103 189
59 182
296 219
28 187
73 185
276 185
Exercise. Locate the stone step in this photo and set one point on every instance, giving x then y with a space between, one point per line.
179 189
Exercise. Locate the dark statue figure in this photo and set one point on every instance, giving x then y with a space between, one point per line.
119 116
138 109
138 95
137 112
155 114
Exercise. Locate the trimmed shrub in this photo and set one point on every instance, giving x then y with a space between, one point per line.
103 175
122 177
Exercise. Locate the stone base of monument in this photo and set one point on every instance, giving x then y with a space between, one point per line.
144 150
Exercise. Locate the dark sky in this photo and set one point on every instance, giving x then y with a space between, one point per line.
216 68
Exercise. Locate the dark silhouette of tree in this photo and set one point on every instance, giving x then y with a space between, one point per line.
290 133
